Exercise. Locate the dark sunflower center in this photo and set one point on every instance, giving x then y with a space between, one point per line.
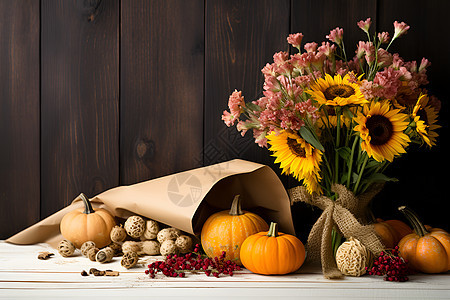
296 148
423 116
380 129
338 90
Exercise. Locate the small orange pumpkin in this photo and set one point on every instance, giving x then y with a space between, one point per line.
79 226
426 251
227 230
272 252
391 231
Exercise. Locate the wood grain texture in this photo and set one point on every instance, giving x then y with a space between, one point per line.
80 100
19 115
422 173
241 37
161 107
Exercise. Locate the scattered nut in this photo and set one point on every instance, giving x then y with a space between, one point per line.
135 226
131 246
111 273
91 253
168 247
105 255
168 234
129 260
66 248
150 248
84 273
151 230
118 234
86 246
184 243
44 255
352 258
117 249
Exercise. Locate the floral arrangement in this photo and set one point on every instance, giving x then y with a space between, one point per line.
330 118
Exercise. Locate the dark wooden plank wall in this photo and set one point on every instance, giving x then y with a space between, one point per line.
100 93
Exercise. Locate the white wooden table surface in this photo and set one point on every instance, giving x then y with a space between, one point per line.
23 276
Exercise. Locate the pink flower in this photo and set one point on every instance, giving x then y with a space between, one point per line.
260 137
365 25
389 82
368 49
327 49
280 57
384 58
361 49
400 29
295 39
235 103
271 84
383 37
424 64
336 35
310 47
228 118
269 69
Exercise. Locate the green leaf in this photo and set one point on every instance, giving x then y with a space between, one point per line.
344 152
348 113
377 177
309 137
252 106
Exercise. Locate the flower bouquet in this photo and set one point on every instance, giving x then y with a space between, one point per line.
336 122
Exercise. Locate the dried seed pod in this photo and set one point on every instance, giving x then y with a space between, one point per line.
184 243
129 260
117 248
135 226
86 246
168 234
168 247
66 248
150 248
352 258
118 234
151 230
131 246
105 255
91 253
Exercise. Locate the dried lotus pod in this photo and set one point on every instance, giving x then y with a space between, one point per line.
118 234
91 253
168 247
168 234
66 248
184 243
135 226
131 246
86 246
151 230
105 255
150 248
129 260
117 248
352 258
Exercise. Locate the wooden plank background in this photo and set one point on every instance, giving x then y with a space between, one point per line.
94 94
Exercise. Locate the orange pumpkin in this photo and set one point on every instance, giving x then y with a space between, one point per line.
391 231
426 251
227 230
82 225
272 253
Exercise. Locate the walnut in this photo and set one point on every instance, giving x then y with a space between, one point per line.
118 234
168 234
150 248
352 258
131 246
86 246
151 230
104 255
91 253
184 243
66 248
135 226
168 247
129 260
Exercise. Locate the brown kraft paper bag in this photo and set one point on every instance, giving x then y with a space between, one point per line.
183 200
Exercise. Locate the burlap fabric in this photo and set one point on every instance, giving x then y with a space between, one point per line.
347 214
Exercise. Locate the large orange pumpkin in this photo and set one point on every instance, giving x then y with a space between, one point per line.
426 251
272 252
391 231
82 225
226 231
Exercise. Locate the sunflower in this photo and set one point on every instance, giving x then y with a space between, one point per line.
336 91
425 118
381 130
296 157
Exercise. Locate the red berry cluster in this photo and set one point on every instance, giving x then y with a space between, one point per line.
176 266
391 266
